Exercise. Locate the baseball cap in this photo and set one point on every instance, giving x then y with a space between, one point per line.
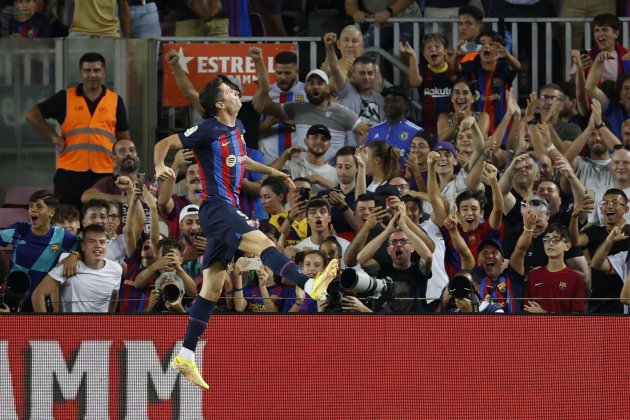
395 90
317 72
189 209
490 242
444 145
319 129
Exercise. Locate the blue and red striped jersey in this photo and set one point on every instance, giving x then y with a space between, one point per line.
491 87
435 95
220 152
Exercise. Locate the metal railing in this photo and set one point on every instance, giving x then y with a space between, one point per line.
32 70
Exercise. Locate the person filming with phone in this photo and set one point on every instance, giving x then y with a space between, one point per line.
254 286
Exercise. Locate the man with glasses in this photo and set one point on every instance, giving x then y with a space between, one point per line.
410 276
554 279
550 105
620 172
605 285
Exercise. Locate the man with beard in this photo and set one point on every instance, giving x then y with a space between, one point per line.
318 110
85 144
277 135
116 188
396 130
319 173
356 92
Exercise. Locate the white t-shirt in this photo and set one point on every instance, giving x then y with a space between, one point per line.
622 268
308 243
89 290
439 278
116 249
301 168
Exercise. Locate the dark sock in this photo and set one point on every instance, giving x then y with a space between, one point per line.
283 266
198 321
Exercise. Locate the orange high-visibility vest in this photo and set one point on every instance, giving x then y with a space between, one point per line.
89 138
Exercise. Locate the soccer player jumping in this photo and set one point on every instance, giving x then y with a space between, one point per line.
220 152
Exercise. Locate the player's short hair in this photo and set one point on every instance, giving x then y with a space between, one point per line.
91 57
209 96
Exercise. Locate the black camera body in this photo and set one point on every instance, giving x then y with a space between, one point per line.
15 289
377 291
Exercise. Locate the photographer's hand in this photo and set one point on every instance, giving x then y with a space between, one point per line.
175 306
353 304
464 305
154 297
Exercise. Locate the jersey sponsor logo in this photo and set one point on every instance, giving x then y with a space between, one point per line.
190 131
562 285
298 98
230 161
54 248
437 92
493 97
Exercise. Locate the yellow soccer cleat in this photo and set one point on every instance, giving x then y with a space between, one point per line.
189 371
323 279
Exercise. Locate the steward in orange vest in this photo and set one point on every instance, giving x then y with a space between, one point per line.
91 118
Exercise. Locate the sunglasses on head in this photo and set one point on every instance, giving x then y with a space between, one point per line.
533 202
621 146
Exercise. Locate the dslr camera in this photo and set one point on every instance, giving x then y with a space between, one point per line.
377 291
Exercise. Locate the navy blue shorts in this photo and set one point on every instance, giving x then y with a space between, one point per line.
224 225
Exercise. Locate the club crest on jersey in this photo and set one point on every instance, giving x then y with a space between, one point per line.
562 285
230 161
54 248
298 98
190 131
404 136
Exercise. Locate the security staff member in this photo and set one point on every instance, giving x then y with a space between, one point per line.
92 117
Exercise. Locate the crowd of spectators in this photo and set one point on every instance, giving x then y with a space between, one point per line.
473 205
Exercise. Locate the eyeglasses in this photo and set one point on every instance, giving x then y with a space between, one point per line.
610 203
553 240
397 242
402 187
548 97
533 202
621 146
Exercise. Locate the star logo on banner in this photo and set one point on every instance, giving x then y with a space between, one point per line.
183 60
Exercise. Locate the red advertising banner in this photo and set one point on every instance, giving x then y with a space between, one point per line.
317 367
203 62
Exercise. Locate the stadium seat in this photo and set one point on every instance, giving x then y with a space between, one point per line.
17 196
8 216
